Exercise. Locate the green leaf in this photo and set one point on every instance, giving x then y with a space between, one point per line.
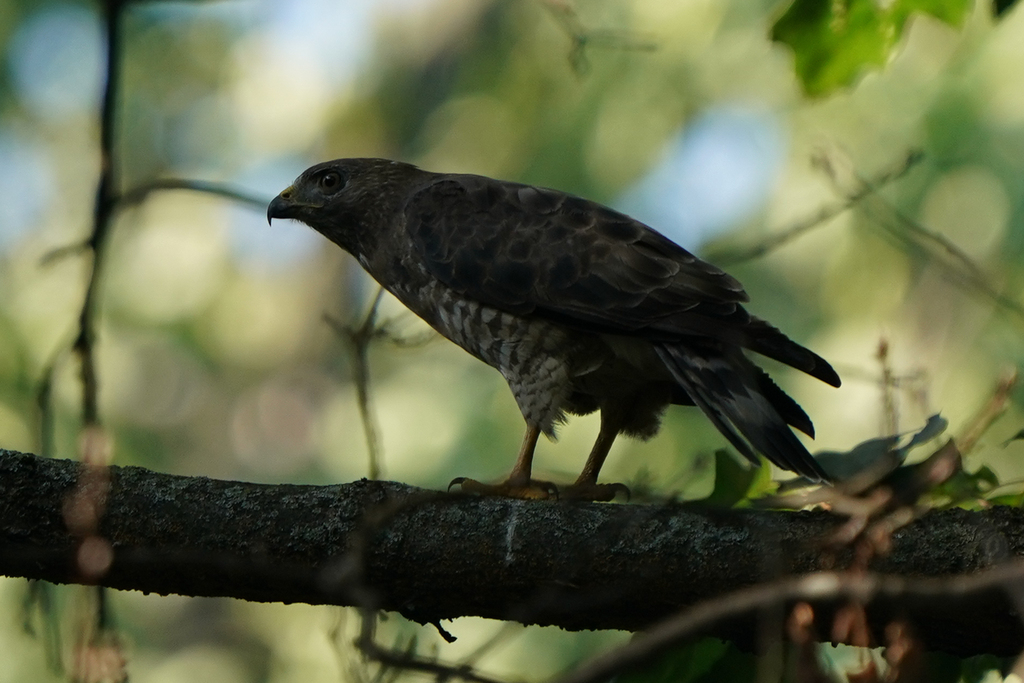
986 477
833 42
1009 500
967 486
731 480
736 482
763 483
977 669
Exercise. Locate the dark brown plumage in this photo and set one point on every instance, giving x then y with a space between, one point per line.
580 308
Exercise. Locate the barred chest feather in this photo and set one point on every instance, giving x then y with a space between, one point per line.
529 353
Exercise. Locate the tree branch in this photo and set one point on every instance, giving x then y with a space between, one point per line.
433 556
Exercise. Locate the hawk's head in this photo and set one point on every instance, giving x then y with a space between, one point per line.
339 198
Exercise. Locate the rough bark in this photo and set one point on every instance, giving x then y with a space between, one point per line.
433 556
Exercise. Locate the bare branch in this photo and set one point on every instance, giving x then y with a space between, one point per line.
91 551
102 214
141 193
138 195
817 588
989 413
728 256
913 237
360 339
433 556
582 38
890 410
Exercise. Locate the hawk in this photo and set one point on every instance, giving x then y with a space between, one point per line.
578 306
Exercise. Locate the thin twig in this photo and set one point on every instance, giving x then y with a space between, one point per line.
44 405
582 38
911 235
96 633
813 587
728 257
139 194
890 411
102 214
408 660
947 256
989 413
39 600
360 339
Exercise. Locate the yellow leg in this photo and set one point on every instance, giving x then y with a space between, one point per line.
520 475
519 483
598 454
586 486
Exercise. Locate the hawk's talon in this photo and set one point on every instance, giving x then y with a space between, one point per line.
532 489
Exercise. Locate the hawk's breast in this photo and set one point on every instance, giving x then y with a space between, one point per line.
532 354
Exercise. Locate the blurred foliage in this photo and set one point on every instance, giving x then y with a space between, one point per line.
866 454
213 355
980 669
835 42
1003 6
974 487
703 661
708 660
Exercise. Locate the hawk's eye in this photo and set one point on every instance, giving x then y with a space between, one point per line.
330 181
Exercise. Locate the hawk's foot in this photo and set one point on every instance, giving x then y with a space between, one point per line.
593 491
531 489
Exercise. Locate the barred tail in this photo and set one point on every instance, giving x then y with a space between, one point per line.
745 405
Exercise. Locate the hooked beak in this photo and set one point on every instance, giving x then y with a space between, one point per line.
282 206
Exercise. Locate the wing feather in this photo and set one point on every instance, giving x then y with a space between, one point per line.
530 250
526 249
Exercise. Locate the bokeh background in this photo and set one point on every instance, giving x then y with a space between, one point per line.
213 354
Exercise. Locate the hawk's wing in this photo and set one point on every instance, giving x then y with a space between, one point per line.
529 250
